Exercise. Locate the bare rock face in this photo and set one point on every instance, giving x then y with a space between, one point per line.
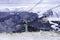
48 13
38 25
15 22
9 26
41 23
28 16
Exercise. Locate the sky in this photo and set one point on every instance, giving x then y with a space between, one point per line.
27 2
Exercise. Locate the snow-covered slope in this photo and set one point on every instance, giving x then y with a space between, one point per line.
43 35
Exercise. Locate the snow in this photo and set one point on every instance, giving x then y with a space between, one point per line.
43 35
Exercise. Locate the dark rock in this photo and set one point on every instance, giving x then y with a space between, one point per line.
9 26
13 23
57 27
58 22
48 13
38 25
28 16
4 16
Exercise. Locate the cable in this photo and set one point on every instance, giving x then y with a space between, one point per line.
56 14
35 5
